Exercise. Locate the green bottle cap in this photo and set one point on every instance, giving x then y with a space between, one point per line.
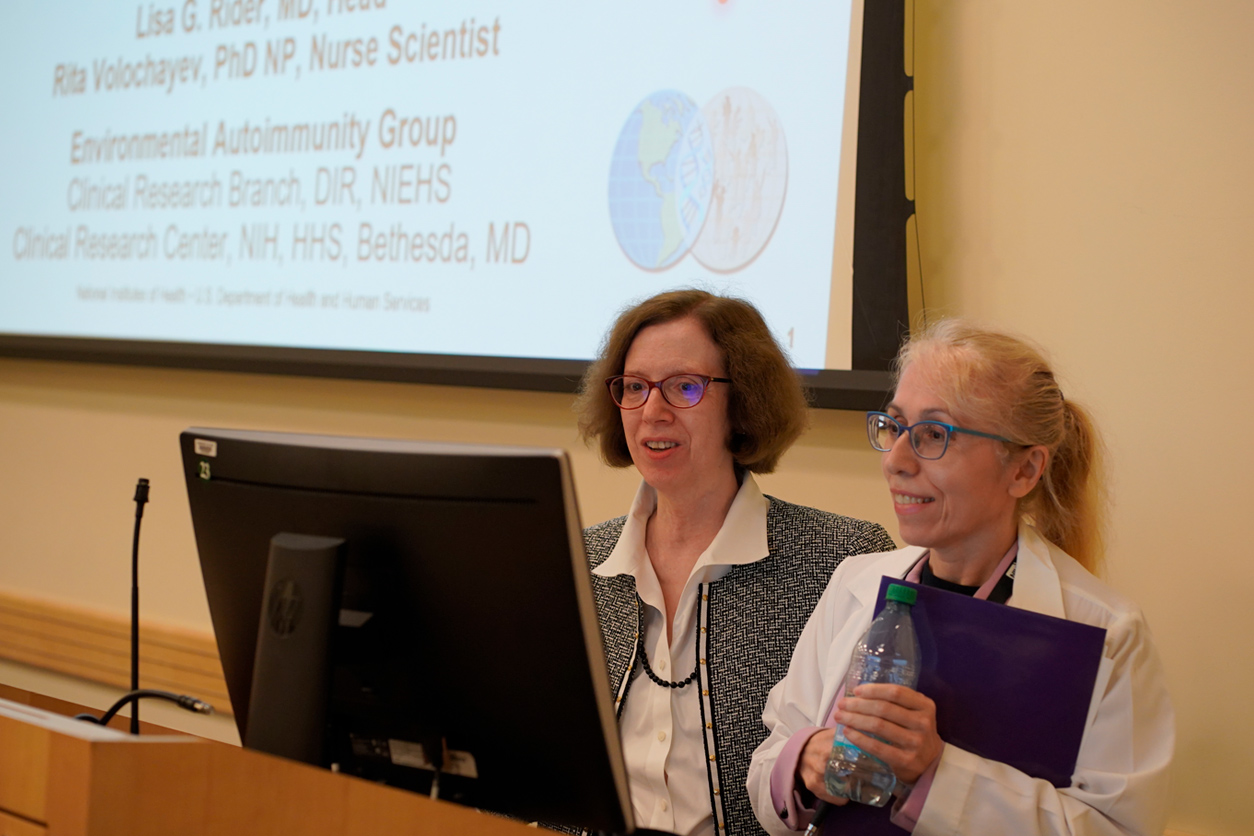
904 594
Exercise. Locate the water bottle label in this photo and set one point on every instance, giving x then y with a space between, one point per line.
870 668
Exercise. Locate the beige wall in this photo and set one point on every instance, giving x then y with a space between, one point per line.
1085 177
74 439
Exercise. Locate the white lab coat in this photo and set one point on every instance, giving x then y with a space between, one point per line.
1120 782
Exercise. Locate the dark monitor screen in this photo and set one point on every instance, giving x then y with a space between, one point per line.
413 613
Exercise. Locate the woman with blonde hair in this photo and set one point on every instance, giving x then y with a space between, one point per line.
995 480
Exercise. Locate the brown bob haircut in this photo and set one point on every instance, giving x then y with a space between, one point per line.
766 407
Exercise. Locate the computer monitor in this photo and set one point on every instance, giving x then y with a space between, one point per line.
402 610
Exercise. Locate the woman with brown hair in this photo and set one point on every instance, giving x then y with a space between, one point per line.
704 586
995 480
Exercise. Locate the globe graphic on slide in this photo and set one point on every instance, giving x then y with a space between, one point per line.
661 180
750 179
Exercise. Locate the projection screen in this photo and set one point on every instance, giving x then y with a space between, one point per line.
455 192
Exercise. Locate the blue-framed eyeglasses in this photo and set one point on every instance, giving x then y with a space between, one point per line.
682 391
930 439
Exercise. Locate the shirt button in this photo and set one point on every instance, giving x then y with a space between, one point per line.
664 805
661 736
661 664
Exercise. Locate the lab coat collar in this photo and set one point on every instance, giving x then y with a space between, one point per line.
895 564
1036 584
1037 587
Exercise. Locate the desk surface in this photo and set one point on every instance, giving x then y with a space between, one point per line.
60 777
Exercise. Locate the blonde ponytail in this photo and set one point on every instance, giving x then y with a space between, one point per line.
1066 507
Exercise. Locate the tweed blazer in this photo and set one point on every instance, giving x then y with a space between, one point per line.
749 621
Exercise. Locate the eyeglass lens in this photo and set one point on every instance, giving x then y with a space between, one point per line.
928 438
682 390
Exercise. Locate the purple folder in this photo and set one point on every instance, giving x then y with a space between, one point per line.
1009 685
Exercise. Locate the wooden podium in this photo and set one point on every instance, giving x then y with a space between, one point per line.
65 777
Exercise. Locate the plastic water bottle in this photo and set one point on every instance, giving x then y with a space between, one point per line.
887 652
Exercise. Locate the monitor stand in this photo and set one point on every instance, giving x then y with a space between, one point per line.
287 709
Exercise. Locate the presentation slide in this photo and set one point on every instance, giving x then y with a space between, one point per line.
454 177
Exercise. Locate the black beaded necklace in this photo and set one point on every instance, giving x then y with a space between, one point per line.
644 657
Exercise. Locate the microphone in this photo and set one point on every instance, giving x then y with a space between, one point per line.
141 498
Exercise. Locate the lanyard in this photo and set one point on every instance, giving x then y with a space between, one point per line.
999 593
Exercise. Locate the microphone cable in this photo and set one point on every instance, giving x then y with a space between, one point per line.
182 700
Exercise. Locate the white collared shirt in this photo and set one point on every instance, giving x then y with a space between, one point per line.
661 727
